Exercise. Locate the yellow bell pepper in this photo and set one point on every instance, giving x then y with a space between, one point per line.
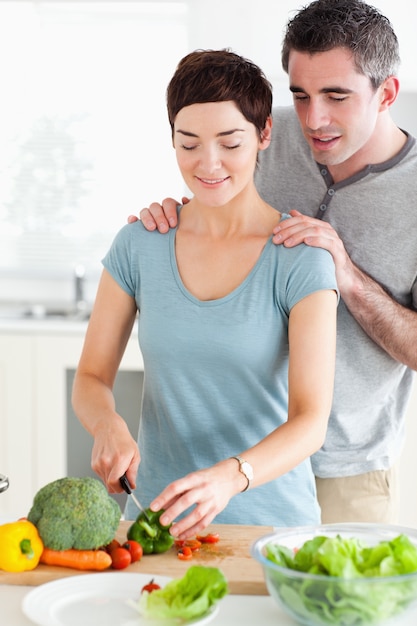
20 546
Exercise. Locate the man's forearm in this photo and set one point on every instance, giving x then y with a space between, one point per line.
389 324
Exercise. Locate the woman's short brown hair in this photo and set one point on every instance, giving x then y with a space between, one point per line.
219 76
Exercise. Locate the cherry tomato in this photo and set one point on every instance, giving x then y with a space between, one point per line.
112 545
151 586
135 549
185 553
210 538
193 544
120 558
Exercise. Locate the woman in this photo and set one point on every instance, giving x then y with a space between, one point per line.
237 335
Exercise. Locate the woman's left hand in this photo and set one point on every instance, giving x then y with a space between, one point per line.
208 491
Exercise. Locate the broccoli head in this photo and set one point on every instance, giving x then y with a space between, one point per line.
75 513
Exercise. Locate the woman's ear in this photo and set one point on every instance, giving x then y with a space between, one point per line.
266 134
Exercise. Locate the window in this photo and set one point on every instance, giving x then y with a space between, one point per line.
84 131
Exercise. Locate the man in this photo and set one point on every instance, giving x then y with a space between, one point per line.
351 173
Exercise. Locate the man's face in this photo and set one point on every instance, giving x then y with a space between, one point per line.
337 109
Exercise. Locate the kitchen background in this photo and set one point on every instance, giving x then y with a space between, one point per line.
85 142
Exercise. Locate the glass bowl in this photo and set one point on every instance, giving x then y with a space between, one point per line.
323 600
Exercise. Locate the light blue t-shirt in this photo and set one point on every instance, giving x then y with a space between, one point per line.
215 380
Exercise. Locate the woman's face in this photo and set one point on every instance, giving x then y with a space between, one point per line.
216 150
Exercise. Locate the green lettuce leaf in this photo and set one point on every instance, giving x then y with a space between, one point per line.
185 598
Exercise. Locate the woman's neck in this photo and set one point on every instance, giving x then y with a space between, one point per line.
242 216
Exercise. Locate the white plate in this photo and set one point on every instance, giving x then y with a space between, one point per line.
93 600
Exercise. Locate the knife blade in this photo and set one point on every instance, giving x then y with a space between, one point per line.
128 489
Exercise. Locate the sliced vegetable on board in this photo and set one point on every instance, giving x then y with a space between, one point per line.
209 538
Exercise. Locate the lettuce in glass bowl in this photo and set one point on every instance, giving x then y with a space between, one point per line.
341 574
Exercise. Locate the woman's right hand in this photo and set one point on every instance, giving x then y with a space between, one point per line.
114 453
163 217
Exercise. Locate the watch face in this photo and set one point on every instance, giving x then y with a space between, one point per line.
247 469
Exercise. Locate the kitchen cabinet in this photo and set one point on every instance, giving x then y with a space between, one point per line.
34 361
16 423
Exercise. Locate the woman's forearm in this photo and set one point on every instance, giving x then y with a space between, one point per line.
93 402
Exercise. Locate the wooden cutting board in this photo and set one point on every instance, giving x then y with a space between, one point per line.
231 554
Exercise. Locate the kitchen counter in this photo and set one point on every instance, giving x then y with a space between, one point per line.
47 325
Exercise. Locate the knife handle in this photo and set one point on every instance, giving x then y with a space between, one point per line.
125 484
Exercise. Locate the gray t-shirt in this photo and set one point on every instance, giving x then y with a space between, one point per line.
375 214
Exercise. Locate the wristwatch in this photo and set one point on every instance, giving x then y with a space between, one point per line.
246 469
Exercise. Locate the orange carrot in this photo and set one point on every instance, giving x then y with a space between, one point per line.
77 559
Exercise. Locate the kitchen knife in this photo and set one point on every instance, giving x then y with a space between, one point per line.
126 487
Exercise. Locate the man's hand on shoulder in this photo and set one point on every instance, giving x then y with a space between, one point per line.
304 229
157 216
